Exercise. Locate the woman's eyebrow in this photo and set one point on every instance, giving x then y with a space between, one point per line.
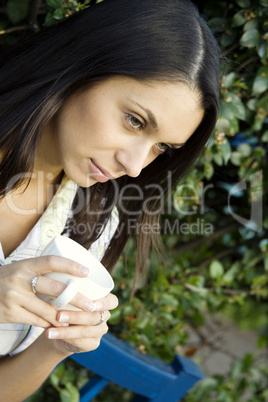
151 116
152 119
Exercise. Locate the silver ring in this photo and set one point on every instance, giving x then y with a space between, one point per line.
34 282
102 315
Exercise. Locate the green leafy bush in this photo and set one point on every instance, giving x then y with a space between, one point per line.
216 256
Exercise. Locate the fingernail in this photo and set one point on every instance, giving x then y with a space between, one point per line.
97 306
83 270
64 317
90 306
53 333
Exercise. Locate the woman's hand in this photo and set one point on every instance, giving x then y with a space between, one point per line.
31 367
18 304
83 333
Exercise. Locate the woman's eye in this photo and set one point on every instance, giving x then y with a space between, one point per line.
134 123
162 146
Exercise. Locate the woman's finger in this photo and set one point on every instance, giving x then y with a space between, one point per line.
40 309
83 318
78 331
50 287
35 320
53 263
110 302
76 345
21 316
18 302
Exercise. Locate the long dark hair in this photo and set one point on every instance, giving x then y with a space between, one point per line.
163 40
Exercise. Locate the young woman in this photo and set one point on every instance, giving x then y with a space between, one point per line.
97 115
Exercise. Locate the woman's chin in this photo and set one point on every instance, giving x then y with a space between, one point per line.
82 180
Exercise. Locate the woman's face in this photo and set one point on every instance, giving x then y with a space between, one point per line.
119 126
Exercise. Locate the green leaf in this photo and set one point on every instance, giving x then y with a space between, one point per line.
218 159
251 104
239 18
208 384
54 380
197 280
223 125
230 275
244 150
263 102
49 19
168 300
236 158
128 310
216 270
263 51
260 83
226 151
59 13
250 38
217 24
247 362
208 170
73 392
264 3
264 137
228 38
54 3
229 80
251 24
234 104
257 123
226 110
65 396
141 322
116 316
243 3
236 368
234 126
17 10
265 223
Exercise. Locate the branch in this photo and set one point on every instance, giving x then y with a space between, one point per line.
246 62
230 49
210 289
14 29
198 242
228 251
34 11
218 256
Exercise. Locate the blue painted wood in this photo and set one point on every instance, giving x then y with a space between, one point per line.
92 388
145 375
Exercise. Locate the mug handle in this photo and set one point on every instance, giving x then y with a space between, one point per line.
66 296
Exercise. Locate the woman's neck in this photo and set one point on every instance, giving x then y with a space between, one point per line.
47 161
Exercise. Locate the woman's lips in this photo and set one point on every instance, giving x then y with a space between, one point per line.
98 173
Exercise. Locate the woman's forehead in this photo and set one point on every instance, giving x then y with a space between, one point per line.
170 107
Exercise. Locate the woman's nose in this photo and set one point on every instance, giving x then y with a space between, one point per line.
135 157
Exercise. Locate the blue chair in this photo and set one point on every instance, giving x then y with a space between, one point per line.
150 378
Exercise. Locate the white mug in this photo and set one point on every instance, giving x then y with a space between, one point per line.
95 286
